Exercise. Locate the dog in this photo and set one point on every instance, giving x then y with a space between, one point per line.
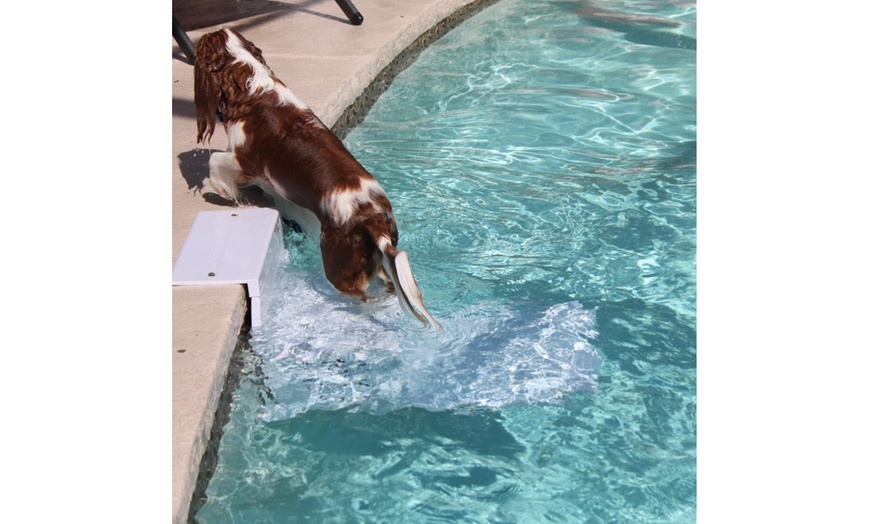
277 143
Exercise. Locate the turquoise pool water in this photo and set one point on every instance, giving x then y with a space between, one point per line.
541 163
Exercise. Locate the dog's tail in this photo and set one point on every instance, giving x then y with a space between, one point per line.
399 270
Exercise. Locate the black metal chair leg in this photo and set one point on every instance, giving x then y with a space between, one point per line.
350 11
183 40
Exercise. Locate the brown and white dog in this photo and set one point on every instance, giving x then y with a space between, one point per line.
277 143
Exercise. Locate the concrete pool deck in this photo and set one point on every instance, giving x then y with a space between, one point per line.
328 63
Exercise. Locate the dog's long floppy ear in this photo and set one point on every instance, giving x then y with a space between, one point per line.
395 263
211 61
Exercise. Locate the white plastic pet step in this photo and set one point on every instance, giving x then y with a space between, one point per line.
240 246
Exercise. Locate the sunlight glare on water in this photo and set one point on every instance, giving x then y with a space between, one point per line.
540 159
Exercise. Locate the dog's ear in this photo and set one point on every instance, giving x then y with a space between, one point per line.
211 61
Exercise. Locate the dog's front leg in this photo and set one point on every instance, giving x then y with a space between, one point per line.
223 171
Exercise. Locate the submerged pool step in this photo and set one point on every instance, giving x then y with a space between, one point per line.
240 246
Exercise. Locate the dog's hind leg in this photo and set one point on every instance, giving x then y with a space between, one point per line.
223 171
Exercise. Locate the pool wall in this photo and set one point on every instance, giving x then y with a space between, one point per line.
339 70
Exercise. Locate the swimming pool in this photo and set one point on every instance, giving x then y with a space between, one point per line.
540 159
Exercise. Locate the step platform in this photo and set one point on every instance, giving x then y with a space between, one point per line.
239 246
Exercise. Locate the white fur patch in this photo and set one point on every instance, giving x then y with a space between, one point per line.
236 135
342 204
262 78
383 243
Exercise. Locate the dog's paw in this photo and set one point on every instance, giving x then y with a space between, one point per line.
227 193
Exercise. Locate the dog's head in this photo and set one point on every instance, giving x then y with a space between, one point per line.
350 250
224 67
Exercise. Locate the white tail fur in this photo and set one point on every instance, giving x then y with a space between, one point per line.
399 270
